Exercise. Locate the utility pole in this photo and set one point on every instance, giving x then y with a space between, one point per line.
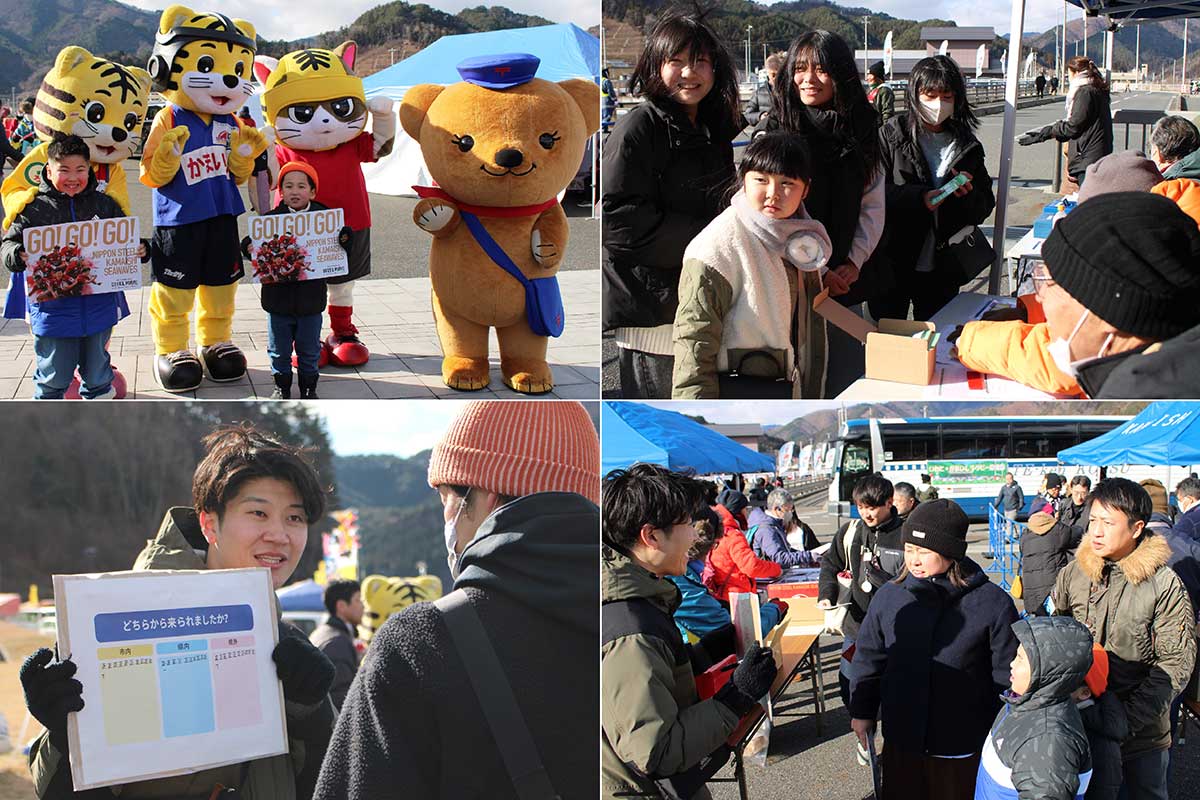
1137 55
392 51
1085 33
748 29
866 66
1183 76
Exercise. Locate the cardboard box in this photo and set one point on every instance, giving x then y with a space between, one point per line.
803 615
892 353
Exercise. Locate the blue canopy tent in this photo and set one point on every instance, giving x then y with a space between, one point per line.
302 596
1165 433
566 51
634 432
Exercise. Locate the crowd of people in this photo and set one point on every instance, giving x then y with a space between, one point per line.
1075 698
398 723
711 267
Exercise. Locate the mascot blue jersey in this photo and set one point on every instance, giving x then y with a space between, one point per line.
202 188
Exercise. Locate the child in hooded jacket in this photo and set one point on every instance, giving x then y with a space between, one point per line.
748 281
1106 725
1037 748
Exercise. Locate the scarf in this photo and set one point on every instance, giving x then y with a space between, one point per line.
799 239
486 211
1073 86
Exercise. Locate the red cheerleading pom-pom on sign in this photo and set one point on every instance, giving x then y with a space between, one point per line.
280 260
61 272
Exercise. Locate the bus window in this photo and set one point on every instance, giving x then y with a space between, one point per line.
911 443
1042 440
990 441
856 462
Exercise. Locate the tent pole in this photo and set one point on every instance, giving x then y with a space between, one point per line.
595 182
1016 31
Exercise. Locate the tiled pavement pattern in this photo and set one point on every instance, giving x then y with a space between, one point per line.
394 320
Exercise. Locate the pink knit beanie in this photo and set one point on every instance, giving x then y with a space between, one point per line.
520 447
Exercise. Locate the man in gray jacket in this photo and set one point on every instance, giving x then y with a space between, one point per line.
335 637
1011 499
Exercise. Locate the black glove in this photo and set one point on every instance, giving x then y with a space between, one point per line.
344 237
750 681
51 693
305 671
18 265
1032 137
719 643
246 247
149 251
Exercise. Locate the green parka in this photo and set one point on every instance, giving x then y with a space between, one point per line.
653 722
292 776
1138 610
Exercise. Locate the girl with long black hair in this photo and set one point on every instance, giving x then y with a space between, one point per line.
922 149
1088 123
665 168
818 96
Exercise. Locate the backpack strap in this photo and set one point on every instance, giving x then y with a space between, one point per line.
495 695
637 615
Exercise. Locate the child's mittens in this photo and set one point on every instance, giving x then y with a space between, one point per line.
21 260
165 161
344 236
145 251
436 216
806 252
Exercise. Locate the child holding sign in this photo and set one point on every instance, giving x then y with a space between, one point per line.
71 326
294 307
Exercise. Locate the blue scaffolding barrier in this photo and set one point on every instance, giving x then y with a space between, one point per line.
1004 544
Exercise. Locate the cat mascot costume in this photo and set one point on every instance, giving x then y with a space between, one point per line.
318 111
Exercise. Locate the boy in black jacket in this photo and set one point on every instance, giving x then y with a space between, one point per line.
294 308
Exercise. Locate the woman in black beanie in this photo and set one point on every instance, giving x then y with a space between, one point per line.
933 654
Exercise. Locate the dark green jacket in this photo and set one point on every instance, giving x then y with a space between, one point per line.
292 776
654 724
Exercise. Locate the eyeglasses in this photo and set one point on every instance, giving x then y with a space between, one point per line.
1041 279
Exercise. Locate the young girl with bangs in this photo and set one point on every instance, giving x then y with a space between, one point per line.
665 168
921 150
819 98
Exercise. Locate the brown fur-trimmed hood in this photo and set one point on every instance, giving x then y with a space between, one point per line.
1147 558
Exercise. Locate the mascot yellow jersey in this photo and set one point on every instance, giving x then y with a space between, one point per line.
100 101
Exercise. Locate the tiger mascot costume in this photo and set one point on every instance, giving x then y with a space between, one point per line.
383 596
102 102
196 154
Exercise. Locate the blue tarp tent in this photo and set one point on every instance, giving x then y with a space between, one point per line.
302 596
566 51
1165 433
633 432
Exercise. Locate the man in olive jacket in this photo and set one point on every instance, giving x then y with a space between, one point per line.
1137 609
656 730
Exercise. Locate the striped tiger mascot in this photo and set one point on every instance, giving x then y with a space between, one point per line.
100 101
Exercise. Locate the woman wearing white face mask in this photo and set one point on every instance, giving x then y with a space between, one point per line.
921 150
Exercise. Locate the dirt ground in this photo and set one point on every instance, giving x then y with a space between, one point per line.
16 643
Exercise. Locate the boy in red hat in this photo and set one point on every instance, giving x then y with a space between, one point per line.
294 307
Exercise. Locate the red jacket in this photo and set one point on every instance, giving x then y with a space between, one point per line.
733 564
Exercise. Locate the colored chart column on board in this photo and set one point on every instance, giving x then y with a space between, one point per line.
127 686
185 683
235 677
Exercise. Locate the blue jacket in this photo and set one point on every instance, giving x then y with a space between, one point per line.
1188 523
700 613
66 317
1185 560
936 658
770 541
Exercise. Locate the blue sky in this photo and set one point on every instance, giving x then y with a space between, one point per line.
395 427
294 19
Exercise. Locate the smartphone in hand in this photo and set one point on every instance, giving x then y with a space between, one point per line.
952 186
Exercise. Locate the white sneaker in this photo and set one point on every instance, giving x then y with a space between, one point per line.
109 395
864 758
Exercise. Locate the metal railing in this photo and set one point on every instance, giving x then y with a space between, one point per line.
1004 547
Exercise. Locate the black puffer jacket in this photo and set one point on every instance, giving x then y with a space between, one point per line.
412 725
885 541
1043 555
298 299
907 178
1159 372
1088 129
664 180
1107 726
1038 744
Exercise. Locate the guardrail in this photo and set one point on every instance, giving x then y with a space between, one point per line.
1004 547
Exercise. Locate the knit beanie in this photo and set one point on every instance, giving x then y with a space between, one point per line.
300 166
1053 480
940 526
877 70
1158 496
1040 522
1129 258
1097 676
1126 171
520 447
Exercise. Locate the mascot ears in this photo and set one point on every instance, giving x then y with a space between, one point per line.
587 96
69 58
347 52
263 67
417 100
